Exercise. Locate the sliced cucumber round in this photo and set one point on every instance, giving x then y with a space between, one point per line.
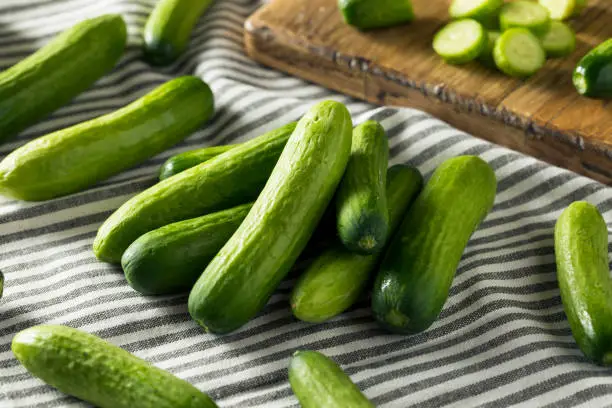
460 41
483 11
559 9
518 53
524 14
487 53
559 40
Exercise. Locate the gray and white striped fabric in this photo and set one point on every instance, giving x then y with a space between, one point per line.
502 339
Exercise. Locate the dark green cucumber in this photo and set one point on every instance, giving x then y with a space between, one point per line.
336 278
318 382
169 27
361 201
581 251
170 259
418 268
87 367
187 160
230 179
61 70
367 14
593 74
239 281
77 157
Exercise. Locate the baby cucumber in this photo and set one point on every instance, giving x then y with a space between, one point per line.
187 160
77 157
59 71
560 9
418 268
460 41
318 382
169 27
581 252
239 281
336 278
170 259
524 14
519 53
483 11
361 203
87 367
593 74
367 14
559 40
230 179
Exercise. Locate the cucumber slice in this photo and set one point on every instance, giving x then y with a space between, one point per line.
487 53
460 41
518 53
559 9
483 11
524 14
559 40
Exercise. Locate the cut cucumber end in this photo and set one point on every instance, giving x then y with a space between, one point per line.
559 9
524 14
460 41
580 83
518 53
559 40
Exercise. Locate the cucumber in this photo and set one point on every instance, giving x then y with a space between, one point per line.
77 157
483 11
87 367
559 9
336 278
238 282
361 203
168 29
460 41
524 14
581 252
486 57
318 382
419 265
232 178
593 74
59 71
559 40
519 53
368 14
187 160
170 259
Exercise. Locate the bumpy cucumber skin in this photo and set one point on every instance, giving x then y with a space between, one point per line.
183 161
361 201
238 282
77 157
419 265
61 70
230 179
593 74
87 367
366 14
581 252
170 259
337 277
168 29
318 382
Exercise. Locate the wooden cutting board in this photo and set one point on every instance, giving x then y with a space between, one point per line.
542 116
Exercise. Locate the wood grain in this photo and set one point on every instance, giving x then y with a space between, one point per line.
542 116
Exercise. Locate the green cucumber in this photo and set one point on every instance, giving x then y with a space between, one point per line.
77 157
519 53
486 57
168 29
483 11
581 252
524 14
559 40
170 259
230 179
559 9
59 71
238 282
361 202
593 74
336 278
368 14
418 268
460 41
85 366
187 160
318 382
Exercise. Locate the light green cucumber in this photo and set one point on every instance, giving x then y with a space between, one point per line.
560 9
484 11
336 278
187 160
368 14
559 40
519 53
85 366
460 41
77 157
238 282
230 179
524 14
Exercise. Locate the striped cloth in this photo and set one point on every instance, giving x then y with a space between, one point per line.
501 340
